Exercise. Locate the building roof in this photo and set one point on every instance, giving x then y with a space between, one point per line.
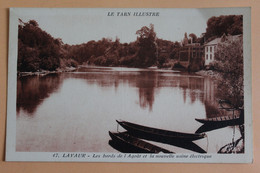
219 40
213 42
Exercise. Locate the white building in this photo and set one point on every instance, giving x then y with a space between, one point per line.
211 47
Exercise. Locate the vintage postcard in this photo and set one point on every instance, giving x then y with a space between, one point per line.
129 85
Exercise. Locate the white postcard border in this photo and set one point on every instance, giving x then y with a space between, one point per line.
12 155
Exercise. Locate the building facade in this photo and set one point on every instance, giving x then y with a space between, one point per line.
191 56
210 48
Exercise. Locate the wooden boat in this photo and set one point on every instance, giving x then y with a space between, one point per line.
127 143
224 120
159 135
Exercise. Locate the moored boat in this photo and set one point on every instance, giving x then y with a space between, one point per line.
224 120
159 135
124 142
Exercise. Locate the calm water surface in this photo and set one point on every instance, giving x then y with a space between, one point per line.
74 111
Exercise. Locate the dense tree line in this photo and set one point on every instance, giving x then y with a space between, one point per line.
38 50
229 25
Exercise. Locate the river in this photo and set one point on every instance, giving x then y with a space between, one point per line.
73 111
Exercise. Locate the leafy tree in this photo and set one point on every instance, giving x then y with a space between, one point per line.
146 40
37 49
229 61
230 24
28 58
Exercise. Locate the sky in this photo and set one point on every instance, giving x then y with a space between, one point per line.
76 26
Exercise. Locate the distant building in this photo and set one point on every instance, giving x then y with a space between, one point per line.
191 55
185 40
211 47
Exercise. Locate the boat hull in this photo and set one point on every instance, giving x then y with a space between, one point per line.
225 120
158 135
128 144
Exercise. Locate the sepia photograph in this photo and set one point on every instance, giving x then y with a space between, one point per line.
129 85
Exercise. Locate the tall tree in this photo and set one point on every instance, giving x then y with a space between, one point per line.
147 54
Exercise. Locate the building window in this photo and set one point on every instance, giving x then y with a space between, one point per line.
207 57
210 56
210 49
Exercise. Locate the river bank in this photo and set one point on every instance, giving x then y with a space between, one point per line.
209 73
45 72
237 146
71 69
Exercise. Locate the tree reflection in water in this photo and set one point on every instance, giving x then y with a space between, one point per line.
32 90
146 85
